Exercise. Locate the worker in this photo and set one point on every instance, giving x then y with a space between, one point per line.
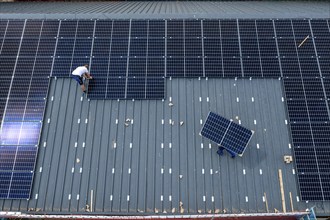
220 152
79 74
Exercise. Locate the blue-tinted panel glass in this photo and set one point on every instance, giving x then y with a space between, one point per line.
101 47
136 88
46 47
193 47
82 48
29 47
155 88
19 86
265 29
175 67
156 29
213 67
65 47
283 28
7 66
99 67
194 67
320 28
21 185
228 29
317 110
139 29
211 29
247 29
103 28
230 48
120 29
251 67
42 67
309 67
175 47
24 67
325 67
232 67
212 47
15 28
193 28
310 187
301 134
305 159
117 67
119 47
25 158
138 47
49 28
156 67
116 88
322 47
85 28
62 66
301 28
156 47
35 109
38 89
32 28
5 178
97 87
5 84
3 27
7 157
175 29
137 67
10 47
68 28
15 109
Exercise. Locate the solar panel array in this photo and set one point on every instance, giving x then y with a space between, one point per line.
129 60
226 133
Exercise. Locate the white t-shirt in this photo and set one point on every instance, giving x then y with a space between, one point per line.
80 70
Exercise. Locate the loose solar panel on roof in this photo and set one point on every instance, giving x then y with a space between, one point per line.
130 58
226 133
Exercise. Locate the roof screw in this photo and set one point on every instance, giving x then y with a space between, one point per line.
77 160
181 123
170 104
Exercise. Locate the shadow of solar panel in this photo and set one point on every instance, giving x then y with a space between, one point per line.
193 47
306 160
138 47
322 46
286 47
20 186
10 47
194 67
270 67
120 29
212 47
310 187
49 28
15 28
193 28
97 88
65 47
82 48
265 29
28 47
232 67
249 47
116 88
283 28
32 28
139 28
211 29
137 67
68 28
62 66
251 67
290 67
156 29
85 29
247 29
301 28
175 29
213 67
175 47
175 67
117 67
46 47
267 48
228 29
156 47
136 88
101 47
103 29
119 48
320 28
155 87
230 48
155 67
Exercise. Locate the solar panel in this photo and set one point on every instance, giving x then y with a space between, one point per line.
226 133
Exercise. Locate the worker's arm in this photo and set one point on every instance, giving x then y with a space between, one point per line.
87 76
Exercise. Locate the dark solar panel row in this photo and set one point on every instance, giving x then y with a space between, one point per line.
129 60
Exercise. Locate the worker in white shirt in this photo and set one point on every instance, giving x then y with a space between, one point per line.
79 73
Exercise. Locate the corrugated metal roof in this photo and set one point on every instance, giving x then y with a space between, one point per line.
124 10
153 164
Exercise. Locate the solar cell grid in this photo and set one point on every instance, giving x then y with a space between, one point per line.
137 67
155 88
301 28
313 88
307 50
286 47
232 67
117 67
85 29
25 158
230 48
101 47
3 27
309 67
306 160
270 67
103 29
29 47
175 29
97 87
32 28
155 67
322 46
99 67
213 67
320 28
116 88
249 47
228 29
138 47
212 47
156 29
267 48
317 110
247 29
120 29
290 67
211 28
14 29
136 88
174 67
139 28
10 47
251 67
20 186
82 48
193 29
119 48
283 29
49 28
68 28
46 47
62 66
310 187
265 29
175 47
156 47
194 67
325 67
193 47
297 110
65 47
